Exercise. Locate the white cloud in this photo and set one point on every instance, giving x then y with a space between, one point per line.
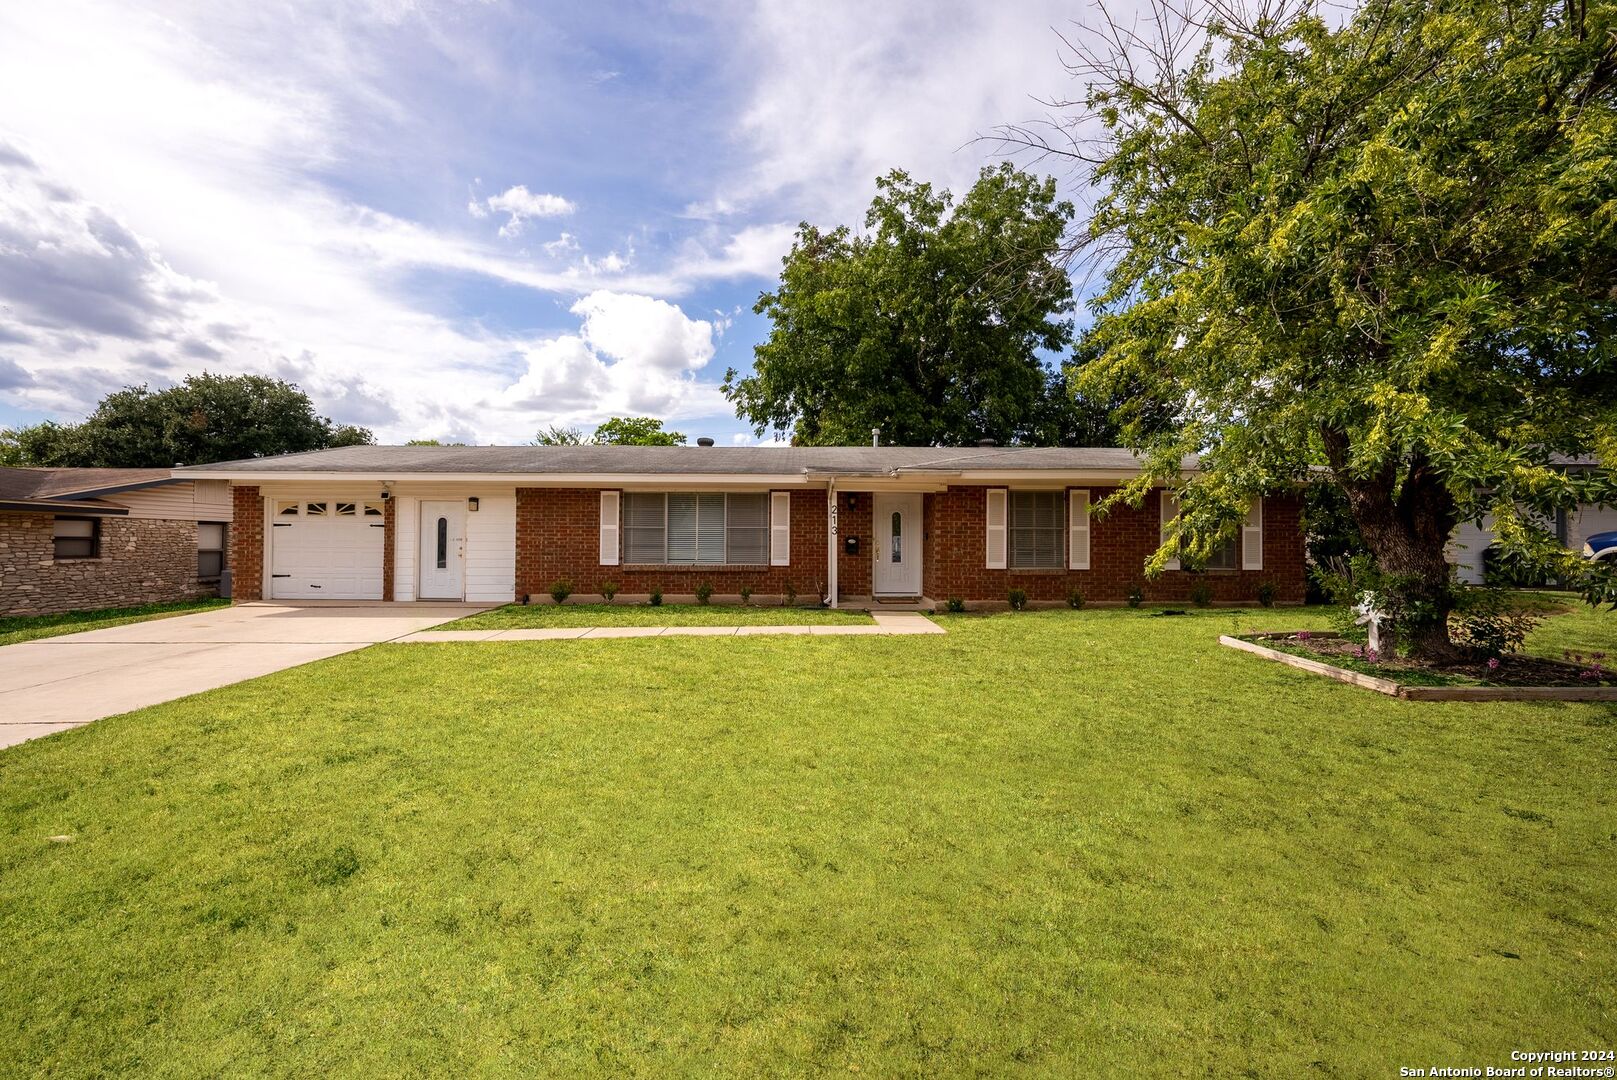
521 204
643 331
632 354
563 244
844 90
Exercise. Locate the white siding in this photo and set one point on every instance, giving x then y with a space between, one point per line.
405 542
201 500
491 550
1588 520
1465 549
1470 540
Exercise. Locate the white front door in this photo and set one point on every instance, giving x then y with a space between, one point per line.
443 550
898 545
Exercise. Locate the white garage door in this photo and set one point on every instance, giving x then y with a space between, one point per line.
326 549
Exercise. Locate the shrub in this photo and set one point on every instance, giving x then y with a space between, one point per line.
1136 595
656 598
561 590
789 597
1075 599
704 592
1266 593
609 589
1201 594
955 604
1488 621
1018 599
746 595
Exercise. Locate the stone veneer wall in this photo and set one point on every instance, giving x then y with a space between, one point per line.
142 561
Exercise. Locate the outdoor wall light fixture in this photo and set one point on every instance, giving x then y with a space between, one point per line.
471 505
853 502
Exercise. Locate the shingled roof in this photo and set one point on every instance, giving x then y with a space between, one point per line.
685 460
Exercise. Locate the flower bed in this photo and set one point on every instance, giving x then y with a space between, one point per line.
1579 677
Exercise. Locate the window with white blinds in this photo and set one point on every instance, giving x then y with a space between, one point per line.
1036 525
701 529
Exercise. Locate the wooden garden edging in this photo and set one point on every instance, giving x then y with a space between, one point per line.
1417 693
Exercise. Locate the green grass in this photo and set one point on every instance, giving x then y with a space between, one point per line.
1048 844
15 628
534 616
1576 628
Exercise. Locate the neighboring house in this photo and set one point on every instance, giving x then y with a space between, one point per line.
1471 539
94 538
1572 528
847 524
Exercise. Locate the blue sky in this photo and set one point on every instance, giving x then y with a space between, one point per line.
459 220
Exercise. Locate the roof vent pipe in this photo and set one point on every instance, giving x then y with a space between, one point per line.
704 441
985 443
875 436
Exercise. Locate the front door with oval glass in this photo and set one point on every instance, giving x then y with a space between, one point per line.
443 550
898 545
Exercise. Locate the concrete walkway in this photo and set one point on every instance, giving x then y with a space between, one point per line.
56 683
885 622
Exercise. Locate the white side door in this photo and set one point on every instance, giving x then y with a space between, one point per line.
898 545
443 550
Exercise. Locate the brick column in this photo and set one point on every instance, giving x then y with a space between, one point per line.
246 544
389 523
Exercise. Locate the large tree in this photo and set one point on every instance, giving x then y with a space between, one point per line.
930 324
636 431
206 418
1387 247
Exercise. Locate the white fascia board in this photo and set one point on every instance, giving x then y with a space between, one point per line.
1048 477
593 480
869 482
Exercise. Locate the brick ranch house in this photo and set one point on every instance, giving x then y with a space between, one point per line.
849 525
96 538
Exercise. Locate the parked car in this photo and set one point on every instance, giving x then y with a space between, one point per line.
1601 546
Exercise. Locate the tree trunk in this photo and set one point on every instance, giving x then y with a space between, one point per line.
1406 527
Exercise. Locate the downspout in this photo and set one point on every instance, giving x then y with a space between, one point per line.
831 541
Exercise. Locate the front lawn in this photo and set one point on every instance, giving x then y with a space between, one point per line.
538 616
1059 844
15 628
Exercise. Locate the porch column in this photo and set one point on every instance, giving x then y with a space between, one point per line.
831 540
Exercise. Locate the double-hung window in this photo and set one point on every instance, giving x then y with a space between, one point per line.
210 550
1036 525
1223 556
76 538
700 529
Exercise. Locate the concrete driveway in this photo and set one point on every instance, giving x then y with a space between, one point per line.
56 683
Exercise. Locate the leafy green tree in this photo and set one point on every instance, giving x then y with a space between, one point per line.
636 431
206 418
1386 247
929 325
555 435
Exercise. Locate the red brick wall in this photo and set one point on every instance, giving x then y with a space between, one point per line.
390 517
558 537
853 571
1119 544
246 544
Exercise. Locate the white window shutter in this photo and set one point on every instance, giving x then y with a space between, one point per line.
1252 537
1078 530
610 501
1170 510
780 528
996 528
